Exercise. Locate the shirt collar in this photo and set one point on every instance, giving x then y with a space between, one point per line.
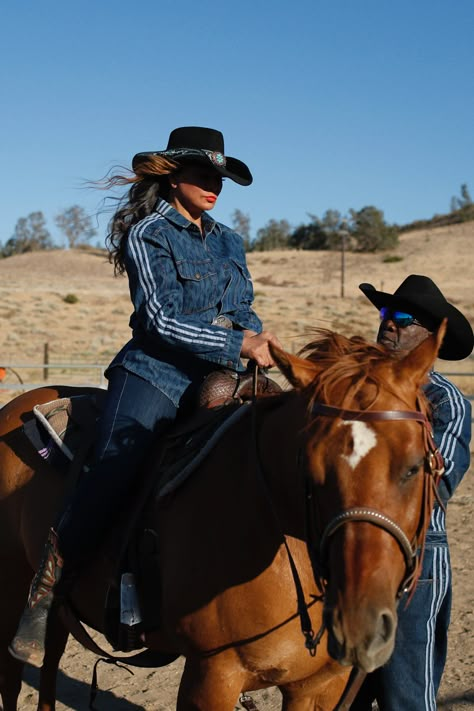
166 210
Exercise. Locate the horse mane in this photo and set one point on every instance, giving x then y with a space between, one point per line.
351 362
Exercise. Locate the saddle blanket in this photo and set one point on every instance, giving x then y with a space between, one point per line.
59 428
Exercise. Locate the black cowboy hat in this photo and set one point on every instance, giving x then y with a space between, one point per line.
204 145
419 296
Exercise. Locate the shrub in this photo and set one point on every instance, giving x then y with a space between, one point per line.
392 258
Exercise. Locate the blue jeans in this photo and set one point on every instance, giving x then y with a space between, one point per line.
411 678
134 416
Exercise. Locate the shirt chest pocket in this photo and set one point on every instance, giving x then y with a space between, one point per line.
240 288
199 281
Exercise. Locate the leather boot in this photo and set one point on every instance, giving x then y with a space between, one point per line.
28 645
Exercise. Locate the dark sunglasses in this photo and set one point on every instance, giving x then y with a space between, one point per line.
399 318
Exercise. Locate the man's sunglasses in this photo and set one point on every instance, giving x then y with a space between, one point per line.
399 318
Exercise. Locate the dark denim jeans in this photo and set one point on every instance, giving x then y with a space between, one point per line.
411 678
135 415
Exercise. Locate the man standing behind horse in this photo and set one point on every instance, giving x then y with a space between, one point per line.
410 680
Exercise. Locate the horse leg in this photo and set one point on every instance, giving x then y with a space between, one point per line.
313 694
208 685
15 581
11 672
54 648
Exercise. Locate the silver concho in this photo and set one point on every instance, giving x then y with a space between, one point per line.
217 158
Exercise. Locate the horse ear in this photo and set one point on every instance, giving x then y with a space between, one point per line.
420 360
298 371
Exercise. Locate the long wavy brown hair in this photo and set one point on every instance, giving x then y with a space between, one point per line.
148 182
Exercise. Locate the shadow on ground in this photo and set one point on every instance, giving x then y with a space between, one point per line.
449 703
76 695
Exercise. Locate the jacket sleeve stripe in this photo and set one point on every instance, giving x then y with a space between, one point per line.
167 326
453 431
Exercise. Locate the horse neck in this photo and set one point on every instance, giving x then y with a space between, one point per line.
279 440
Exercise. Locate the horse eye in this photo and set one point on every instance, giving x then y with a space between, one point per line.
412 471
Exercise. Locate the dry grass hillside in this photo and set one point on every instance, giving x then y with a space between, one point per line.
295 291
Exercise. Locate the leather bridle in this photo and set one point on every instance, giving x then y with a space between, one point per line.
433 470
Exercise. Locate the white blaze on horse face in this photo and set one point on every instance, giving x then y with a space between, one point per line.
363 438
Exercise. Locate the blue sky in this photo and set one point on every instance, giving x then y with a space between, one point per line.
336 104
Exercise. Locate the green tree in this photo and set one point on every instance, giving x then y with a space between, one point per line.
308 236
464 202
370 232
320 233
76 225
334 225
465 196
274 235
30 235
241 224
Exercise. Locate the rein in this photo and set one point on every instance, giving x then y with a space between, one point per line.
311 640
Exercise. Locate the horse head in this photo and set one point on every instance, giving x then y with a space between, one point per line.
372 469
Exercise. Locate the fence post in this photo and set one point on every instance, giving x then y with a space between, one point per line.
46 361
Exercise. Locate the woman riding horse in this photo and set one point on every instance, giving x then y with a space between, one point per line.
192 296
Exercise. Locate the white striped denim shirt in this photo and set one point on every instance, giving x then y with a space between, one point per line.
179 283
451 413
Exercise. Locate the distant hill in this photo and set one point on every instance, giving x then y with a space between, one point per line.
71 300
464 214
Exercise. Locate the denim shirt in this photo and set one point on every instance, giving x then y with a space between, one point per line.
451 418
180 280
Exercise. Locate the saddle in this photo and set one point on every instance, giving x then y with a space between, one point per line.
223 387
62 432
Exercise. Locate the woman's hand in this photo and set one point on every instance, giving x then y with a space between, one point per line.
255 347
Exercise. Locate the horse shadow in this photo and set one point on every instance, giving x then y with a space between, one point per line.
75 695
466 699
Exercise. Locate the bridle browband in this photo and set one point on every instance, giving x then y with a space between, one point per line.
412 551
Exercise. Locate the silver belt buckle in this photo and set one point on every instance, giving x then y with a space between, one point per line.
223 321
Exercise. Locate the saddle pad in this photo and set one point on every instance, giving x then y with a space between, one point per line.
58 427
186 448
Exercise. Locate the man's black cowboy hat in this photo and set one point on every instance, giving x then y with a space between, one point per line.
419 296
204 145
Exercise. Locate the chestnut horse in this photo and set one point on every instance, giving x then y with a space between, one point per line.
284 555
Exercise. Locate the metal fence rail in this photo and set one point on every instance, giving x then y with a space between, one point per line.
97 380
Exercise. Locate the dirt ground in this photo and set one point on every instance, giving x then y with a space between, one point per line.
295 291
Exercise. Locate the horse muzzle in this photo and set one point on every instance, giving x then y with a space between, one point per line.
364 640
